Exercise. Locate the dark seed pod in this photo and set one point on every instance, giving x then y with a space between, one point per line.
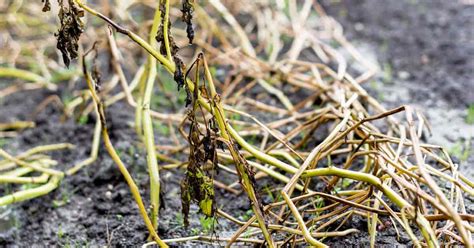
178 73
46 6
190 33
189 97
187 17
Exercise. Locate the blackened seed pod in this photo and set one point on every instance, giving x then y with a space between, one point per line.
46 6
189 97
178 73
190 32
187 17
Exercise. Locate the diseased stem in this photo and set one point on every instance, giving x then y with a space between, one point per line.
30 165
169 65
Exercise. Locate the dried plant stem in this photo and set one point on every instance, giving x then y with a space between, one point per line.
17 125
26 75
207 239
17 161
246 45
434 187
296 214
31 193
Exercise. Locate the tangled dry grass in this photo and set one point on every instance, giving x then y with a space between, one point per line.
274 90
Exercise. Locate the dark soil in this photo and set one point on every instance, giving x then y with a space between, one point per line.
430 40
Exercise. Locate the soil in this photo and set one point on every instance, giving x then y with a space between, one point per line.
424 48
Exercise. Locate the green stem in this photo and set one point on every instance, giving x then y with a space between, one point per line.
31 193
133 187
23 180
30 165
165 29
360 176
147 124
21 74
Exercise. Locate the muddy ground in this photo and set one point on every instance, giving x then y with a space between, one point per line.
424 49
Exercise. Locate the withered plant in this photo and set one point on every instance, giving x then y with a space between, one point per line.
270 93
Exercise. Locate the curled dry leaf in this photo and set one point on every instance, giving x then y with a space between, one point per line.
197 186
70 30
180 78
